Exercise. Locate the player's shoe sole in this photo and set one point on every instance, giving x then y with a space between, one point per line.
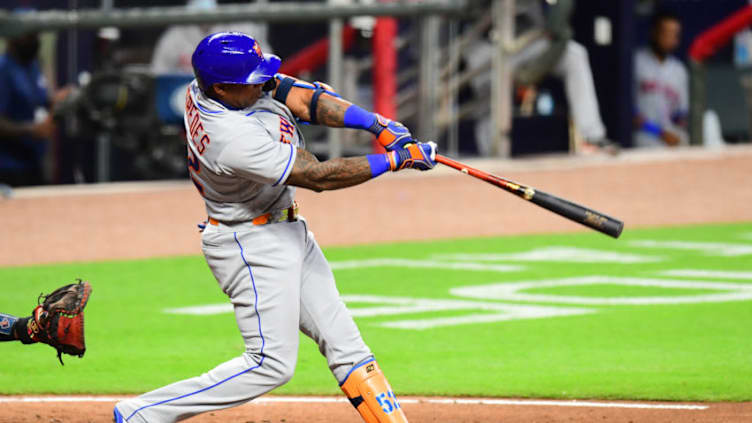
117 417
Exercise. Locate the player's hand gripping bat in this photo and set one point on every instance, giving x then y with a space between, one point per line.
588 217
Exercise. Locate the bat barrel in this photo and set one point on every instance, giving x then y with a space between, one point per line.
583 215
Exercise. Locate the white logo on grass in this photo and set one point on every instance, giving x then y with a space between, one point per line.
556 254
490 311
514 291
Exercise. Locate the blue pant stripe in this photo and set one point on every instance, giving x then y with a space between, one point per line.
263 343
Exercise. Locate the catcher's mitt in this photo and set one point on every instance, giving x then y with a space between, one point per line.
59 319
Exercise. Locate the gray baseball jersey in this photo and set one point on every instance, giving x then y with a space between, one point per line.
661 95
275 275
240 159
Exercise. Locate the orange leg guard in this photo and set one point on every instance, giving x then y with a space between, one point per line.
370 394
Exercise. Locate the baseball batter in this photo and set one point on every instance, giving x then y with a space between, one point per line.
246 154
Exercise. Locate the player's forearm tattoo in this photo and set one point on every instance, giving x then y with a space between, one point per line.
331 111
337 173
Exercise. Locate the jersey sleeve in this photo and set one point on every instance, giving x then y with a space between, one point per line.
255 155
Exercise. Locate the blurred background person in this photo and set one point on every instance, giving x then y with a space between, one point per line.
661 87
26 124
172 53
550 50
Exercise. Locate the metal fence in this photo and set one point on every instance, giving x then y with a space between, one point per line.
434 102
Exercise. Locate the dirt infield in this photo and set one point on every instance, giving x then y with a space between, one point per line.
84 223
418 410
62 224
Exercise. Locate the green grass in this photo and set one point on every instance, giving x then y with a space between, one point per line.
695 351
607 291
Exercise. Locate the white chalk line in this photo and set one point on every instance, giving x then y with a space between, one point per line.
405 400
424 264
566 254
701 273
514 291
708 248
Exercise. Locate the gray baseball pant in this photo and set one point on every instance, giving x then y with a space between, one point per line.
278 282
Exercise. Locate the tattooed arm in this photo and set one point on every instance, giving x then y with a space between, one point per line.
333 111
330 110
308 172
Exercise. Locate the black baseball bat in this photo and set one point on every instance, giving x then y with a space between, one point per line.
572 211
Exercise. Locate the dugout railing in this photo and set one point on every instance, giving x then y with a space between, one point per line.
433 104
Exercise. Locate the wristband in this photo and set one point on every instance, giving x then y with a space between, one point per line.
6 324
22 331
313 107
358 118
379 163
286 83
652 128
283 89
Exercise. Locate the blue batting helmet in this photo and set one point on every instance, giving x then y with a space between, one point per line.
232 58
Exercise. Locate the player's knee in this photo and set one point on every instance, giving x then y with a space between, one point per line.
281 367
285 374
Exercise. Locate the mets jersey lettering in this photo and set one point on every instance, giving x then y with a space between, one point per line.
196 130
286 130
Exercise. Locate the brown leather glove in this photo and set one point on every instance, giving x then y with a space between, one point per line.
59 320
